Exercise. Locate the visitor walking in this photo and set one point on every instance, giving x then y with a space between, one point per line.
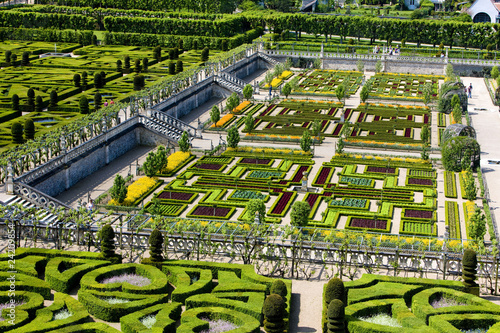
90 206
470 90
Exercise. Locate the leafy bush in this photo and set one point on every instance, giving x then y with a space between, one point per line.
274 311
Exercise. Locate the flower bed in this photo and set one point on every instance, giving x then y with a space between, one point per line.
242 107
422 173
138 190
224 120
452 219
176 195
322 176
402 86
282 204
350 203
246 195
208 166
286 75
357 181
450 187
380 225
255 161
175 162
377 169
420 181
165 209
420 214
217 212
265 174
417 228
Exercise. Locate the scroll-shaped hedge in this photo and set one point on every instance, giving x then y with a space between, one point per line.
23 313
44 320
158 285
249 303
421 303
97 303
189 282
63 274
191 322
24 282
87 328
166 318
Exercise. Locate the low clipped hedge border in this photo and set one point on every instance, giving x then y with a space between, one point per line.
158 285
166 318
69 278
95 302
43 322
25 282
191 322
181 278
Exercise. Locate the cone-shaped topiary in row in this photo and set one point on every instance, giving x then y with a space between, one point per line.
107 237
274 312
156 245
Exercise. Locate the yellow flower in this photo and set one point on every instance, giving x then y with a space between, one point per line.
175 159
223 120
241 107
136 190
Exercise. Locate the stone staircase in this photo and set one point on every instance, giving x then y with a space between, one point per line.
170 126
268 59
44 217
230 82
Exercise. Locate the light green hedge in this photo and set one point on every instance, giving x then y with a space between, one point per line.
166 318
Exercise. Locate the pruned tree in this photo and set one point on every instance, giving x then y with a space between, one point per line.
184 142
233 137
118 191
300 213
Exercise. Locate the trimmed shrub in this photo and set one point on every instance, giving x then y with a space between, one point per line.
107 236
53 99
97 100
29 129
274 312
15 102
44 320
469 269
98 81
31 99
205 54
279 288
335 290
179 66
17 132
84 105
126 65
336 316
39 104
138 82
171 68
119 66
145 64
25 59
156 245
77 80
137 66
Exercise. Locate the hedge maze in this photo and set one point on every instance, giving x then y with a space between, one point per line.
174 296
414 305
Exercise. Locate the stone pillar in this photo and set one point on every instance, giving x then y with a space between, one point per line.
9 182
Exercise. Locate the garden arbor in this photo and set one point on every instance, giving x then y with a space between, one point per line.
455 130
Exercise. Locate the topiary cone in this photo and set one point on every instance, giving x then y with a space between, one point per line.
336 316
469 266
274 311
156 245
335 290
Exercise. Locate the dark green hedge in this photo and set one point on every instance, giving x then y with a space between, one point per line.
166 318
43 322
95 302
158 285
25 282
182 278
190 321
63 274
